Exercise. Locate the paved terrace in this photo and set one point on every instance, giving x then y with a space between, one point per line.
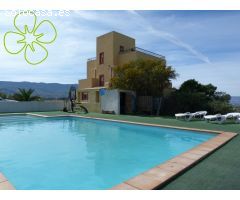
219 170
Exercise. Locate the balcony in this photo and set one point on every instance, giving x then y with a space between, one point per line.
137 49
88 83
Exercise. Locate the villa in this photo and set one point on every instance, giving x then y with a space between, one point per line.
112 49
56 150
142 132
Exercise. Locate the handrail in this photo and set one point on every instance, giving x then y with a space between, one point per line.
143 51
91 59
149 52
135 49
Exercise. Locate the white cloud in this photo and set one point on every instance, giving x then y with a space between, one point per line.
179 39
169 37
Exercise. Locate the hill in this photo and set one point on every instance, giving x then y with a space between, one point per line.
235 100
45 90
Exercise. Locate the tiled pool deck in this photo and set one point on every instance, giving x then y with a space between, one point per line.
163 173
5 184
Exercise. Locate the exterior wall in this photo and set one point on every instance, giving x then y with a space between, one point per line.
105 45
84 83
31 106
88 83
121 40
91 104
124 58
111 101
91 67
142 55
109 44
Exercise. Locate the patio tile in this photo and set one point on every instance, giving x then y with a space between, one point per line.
206 148
210 144
191 156
159 173
220 139
123 186
144 182
201 151
172 166
6 186
2 178
184 161
229 134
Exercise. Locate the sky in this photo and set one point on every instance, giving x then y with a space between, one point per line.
204 45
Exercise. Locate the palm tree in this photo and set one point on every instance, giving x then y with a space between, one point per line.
25 95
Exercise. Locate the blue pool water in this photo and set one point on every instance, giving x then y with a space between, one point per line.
77 153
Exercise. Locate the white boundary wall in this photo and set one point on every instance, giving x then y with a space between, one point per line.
31 106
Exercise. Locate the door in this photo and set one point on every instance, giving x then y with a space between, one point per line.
122 102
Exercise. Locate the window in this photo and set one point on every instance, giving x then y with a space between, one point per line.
101 80
121 48
101 58
84 96
97 96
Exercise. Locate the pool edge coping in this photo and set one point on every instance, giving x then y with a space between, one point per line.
161 174
5 184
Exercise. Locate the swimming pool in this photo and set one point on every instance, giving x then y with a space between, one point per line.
78 153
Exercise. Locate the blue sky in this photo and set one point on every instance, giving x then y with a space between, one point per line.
204 45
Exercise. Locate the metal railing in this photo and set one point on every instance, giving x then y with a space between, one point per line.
142 51
135 49
91 59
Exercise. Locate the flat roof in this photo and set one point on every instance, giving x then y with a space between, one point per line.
114 32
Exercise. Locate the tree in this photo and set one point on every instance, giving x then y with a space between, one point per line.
2 95
146 77
25 95
193 96
193 86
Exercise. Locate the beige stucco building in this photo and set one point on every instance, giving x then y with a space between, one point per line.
112 49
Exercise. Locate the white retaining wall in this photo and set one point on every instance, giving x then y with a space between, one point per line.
110 101
31 106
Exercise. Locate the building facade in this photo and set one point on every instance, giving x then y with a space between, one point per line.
112 49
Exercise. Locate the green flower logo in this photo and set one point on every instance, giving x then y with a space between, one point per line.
30 37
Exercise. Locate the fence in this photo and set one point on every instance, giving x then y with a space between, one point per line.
147 104
31 106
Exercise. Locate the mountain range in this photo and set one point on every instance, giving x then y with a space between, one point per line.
235 100
44 90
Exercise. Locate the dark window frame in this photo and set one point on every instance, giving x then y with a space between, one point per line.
84 96
101 80
97 97
121 48
101 58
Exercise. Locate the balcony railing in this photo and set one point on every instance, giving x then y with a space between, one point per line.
143 51
91 59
